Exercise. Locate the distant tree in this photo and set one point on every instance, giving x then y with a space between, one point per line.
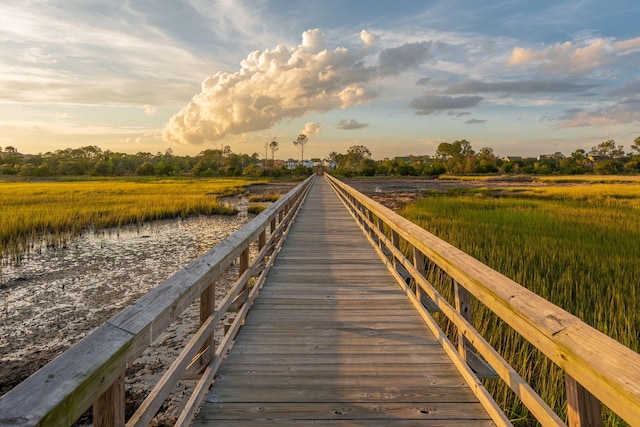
252 170
273 146
146 169
486 161
607 156
608 150
356 154
300 142
636 145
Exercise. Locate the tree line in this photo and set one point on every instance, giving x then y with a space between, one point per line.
93 161
457 157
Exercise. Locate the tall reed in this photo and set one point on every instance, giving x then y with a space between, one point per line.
578 247
54 211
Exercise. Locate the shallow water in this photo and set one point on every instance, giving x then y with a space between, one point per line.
56 296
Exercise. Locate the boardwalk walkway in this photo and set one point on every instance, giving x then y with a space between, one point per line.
332 340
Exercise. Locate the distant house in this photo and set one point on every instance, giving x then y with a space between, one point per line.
291 164
329 164
545 157
511 159
406 159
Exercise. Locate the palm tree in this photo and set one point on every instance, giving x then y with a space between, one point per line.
273 145
301 142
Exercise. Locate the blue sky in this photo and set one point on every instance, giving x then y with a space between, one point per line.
521 77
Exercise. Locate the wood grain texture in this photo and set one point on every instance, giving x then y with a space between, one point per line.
332 340
603 366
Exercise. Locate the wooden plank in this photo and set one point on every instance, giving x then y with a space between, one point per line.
416 360
606 368
332 338
355 423
65 388
583 409
332 348
216 411
108 409
331 393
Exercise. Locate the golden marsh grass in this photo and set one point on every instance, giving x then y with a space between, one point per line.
577 246
57 210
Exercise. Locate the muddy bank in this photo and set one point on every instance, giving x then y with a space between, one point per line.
394 193
56 296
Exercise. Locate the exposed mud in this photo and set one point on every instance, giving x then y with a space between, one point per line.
56 296
394 193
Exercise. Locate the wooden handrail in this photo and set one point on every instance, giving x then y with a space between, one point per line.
597 368
92 371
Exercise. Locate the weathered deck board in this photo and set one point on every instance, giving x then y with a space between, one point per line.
332 340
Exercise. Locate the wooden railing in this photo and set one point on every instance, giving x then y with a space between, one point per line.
597 368
92 371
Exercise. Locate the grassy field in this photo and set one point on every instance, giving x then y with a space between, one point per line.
57 210
577 246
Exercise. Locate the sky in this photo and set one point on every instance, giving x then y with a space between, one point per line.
399 77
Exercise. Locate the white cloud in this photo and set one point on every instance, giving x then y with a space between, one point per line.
572 58
311 128
272 85
369 40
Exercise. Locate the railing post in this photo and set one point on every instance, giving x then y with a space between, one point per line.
244 261
372 227
583 408
108 409
395 240
262 240
419 262
463 305
207 307
381 229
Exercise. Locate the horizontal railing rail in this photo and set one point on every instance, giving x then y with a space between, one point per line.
92 371
597 368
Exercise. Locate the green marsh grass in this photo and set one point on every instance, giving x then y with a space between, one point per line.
55 211
576 246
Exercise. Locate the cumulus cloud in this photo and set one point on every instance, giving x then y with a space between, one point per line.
369 40
409 55
429 104
522 86
572 58
272 85
345 124
311 128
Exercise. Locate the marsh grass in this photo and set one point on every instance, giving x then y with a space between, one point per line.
56 211
255 208
578 247
266 197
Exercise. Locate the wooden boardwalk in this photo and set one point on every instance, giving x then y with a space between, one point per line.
332 340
